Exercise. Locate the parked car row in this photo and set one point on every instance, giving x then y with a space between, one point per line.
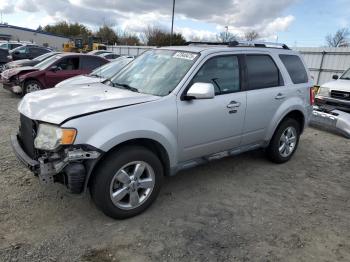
58 69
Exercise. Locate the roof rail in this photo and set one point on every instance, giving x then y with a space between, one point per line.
258 44
236 43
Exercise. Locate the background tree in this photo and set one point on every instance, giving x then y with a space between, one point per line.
251 35
107 35
155 36
339 39
68 29
226 36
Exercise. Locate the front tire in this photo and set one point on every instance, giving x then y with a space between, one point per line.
284 141
127 182
31 86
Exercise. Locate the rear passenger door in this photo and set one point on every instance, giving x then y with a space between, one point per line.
208 126
265 94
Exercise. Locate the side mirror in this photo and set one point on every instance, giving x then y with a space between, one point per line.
201 91
335 77
54 68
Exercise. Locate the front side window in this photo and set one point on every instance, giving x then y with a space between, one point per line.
295 68
68 63
262 72
222 72
155 72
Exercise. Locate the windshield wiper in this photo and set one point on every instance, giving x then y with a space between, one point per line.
94 75
346 78
127 87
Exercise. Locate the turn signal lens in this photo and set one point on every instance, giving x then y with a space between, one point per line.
312 96
68 136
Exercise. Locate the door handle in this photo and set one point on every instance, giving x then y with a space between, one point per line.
280 96
233 104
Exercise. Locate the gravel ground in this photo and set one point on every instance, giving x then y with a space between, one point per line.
242 208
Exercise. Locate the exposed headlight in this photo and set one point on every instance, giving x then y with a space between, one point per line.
50 137
323 91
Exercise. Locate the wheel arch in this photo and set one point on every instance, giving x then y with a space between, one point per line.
294 113
154 146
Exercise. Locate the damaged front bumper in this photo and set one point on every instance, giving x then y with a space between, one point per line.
14 87
69 166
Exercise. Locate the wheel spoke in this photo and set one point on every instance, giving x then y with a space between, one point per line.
282 147
292 139
134 198
123 177
287 150
146 183
119 194
139 169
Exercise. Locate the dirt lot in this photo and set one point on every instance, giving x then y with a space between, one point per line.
239 209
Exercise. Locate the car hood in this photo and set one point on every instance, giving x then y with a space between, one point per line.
21 63
15 71
339 85
56 105
80 80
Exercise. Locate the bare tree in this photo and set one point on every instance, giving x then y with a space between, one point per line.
156 36
251 35
226 37
339 39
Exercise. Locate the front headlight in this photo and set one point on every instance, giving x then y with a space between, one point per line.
50 137
323 91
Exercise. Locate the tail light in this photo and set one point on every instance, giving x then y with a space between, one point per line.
312 96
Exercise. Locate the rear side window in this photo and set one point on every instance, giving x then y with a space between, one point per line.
295 68
90 62
262 72
222 72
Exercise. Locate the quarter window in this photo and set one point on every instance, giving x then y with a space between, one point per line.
262 72
295 68
222 72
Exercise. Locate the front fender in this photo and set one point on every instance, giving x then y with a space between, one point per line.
115 133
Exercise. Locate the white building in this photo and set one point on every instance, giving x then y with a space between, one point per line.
15 33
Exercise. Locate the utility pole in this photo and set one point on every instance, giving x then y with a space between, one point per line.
172 24
226 34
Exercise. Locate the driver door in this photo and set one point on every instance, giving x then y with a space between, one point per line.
208 126
65 68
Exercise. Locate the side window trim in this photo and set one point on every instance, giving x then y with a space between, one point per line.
281 81
241 74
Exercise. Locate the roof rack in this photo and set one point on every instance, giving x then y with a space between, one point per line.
236 43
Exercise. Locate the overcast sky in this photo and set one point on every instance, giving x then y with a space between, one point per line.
295 22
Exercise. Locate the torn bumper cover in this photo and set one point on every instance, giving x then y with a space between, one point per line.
69 166
331 120
14 87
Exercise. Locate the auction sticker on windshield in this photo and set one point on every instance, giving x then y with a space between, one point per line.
185 55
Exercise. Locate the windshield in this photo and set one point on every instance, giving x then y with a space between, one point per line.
110 69
155 72
346 75
44 56
47 62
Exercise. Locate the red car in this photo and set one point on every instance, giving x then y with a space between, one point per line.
48 73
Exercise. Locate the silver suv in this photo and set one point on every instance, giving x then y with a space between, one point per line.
170 109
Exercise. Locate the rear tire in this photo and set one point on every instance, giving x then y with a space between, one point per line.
127 182
31 86
284 142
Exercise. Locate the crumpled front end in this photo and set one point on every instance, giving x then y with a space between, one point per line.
68 165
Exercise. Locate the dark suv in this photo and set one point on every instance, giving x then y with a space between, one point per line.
49 72
28 52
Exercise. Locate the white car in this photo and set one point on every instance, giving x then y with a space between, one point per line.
335 94
99 75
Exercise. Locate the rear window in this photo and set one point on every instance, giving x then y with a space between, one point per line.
295 68
91 62
262 72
